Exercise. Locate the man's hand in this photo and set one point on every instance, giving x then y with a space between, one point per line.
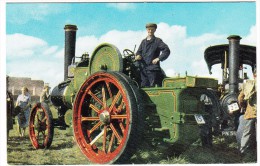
138 57
155 61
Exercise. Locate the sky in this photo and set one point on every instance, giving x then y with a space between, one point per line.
35 34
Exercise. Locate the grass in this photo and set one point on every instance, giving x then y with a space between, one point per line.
62 151
65 151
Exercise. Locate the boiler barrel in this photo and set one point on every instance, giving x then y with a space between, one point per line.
58 95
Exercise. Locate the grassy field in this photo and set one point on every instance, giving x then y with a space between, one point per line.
65 151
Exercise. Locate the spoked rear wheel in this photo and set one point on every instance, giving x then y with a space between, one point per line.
105 119
41 127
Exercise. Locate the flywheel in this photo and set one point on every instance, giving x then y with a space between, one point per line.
106 57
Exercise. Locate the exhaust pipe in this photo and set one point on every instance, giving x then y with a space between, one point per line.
70 44
234 53
229 101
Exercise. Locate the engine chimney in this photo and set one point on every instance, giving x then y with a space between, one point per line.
234 49
70 41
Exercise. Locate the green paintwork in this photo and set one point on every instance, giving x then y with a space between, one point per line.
80 75
68 117
190 81
69 95
170 109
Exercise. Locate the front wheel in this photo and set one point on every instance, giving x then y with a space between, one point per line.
41 127
105 118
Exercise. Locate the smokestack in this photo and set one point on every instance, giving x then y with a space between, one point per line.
234 53
70 41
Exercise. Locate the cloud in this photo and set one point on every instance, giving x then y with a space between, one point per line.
122 6
46 62
50 50
121 39
22 13
20 45
38 69
251 38
28 56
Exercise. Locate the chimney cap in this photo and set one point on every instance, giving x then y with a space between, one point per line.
236 37
70 27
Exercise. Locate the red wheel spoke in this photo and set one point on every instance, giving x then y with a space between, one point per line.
104 98
119 109
95 127
118 116
95 97
114 101
104 138
115 132
111 143
89 118
109 90
43 119
94 108
122 127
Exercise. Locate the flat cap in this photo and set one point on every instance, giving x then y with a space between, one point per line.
151 25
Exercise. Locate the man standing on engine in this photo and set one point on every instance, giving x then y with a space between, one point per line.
151 51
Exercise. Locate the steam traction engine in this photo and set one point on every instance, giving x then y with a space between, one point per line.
111 114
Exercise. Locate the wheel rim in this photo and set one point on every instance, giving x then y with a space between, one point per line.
102 118
39 127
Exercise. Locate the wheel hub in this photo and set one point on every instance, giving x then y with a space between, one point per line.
104 117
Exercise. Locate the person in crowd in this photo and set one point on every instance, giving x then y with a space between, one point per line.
45 95
23 102
9 112
246 133
151 51
44 99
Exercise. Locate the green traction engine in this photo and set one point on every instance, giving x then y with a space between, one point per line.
111 115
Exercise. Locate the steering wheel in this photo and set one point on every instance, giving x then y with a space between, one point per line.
129 53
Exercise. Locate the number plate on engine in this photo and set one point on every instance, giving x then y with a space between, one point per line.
199 119
233 107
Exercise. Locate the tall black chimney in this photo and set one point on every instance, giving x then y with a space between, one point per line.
70 41
233 61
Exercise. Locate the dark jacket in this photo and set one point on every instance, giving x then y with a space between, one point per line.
151 49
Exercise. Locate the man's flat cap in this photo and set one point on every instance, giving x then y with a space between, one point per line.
151 25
